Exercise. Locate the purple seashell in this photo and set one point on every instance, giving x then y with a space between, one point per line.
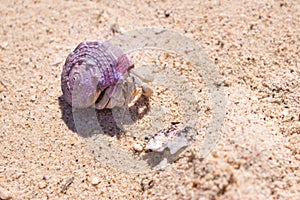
90 69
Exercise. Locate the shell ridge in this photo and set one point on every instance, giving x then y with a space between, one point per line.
95 61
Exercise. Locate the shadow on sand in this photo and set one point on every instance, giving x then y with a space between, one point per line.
87 122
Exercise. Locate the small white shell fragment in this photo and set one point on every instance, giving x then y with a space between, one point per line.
4 194
94 180
137 147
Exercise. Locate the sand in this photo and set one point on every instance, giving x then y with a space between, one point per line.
254 46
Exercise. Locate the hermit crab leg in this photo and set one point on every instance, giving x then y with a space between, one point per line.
141 79
142 76
118 95
105 98
126 92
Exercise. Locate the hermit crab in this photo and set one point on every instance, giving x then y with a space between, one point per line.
101 75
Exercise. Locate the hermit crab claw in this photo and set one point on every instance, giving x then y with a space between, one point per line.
141 80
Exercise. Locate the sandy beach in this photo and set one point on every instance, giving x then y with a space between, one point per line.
254 47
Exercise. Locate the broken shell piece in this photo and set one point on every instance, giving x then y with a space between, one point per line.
178 143
94 180
171 138
157 143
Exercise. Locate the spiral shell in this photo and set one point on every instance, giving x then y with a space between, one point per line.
90 69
